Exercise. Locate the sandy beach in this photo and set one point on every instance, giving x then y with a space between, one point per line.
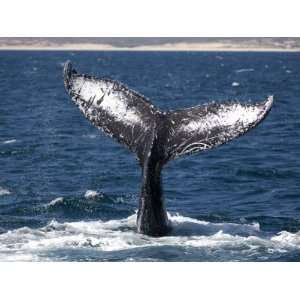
164 47
230 44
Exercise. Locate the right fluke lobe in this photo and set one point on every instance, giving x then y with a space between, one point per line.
207 126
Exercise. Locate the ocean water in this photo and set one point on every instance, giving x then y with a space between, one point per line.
69 193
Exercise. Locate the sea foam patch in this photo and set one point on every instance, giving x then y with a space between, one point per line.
4 191
239 240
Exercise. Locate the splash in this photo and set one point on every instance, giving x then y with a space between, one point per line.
115 236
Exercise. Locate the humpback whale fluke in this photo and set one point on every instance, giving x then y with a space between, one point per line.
157 137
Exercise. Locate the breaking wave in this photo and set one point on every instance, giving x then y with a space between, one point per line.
98 197
216 240
55 201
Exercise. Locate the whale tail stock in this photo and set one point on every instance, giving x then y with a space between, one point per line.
157 137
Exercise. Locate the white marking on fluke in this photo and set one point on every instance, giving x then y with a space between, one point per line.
229 116
117 107
91 194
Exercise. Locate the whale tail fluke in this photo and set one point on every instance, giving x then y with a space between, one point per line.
134 121
123 114
157 137
207 126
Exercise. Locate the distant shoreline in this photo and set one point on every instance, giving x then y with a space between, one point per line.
182 47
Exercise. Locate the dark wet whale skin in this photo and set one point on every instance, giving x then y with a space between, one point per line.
157 137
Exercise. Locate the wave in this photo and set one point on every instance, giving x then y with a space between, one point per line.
244 70
89 205
87 195
240 240
55 201
4 191
9 141
89 136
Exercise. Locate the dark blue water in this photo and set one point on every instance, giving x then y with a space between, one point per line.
67 192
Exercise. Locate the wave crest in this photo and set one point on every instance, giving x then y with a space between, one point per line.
4 191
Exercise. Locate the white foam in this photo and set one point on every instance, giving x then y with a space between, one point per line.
91 194
288 239
55 201
244 70
4 191
10 141
235 83
116 235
